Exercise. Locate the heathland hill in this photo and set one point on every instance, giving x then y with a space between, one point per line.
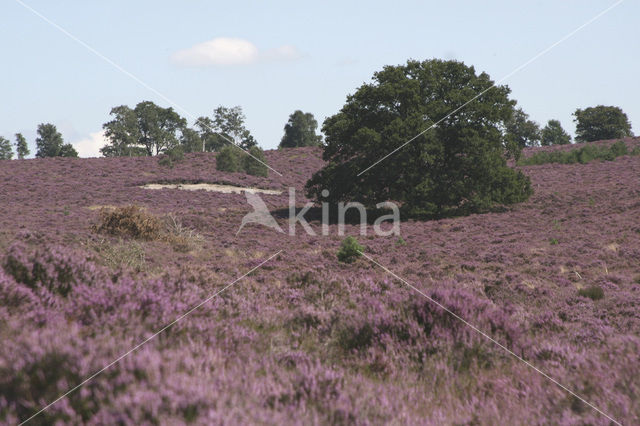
93 263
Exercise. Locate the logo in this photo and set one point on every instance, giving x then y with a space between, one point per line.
262 216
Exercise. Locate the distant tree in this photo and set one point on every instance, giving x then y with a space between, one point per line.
123 134
228 159
601 122
554 134
300 130
67 150
211 140
255 164
21 146
455 167
190 141
229 123
148 129
522 131
50 143
6 153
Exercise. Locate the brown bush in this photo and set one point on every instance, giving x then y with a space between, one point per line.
130 222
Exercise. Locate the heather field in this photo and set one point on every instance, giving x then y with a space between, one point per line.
304 338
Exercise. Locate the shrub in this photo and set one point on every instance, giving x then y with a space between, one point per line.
172 156
251 164
593 292
581 155
350 250
130 222
228 159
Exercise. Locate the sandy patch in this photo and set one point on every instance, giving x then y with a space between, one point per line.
225 189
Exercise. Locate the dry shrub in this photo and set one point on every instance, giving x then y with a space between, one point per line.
134 222
182 238
130 222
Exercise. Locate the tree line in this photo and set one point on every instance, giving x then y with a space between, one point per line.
149 129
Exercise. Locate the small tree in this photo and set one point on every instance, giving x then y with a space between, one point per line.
228 159
67 150
6 153
251 164
554 134
229 122
300 130
522 131
49 141
21 146
350 250
601 122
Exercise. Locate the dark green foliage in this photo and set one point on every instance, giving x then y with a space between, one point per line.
50 143
251 164
211 140
593 292
148 129
21 146
300 130
228 159
67 150
190 141
229 124
601 122
6 153
554 134
350 250
171 157
522 131
581 155
456 167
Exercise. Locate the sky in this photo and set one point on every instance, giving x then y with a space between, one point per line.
273 58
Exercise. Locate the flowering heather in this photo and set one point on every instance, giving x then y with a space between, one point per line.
306 338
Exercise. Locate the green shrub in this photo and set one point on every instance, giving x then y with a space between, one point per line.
581 155
172 156
350 250
593 292
251 164
228 159
553 241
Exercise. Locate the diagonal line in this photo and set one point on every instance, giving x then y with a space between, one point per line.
515 71
134 77
136 347
482 333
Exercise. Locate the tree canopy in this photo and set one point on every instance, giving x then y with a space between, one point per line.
148 129
601 122
300 130
554 134
22 149
457 166
522 131
229 124
49 143
6 153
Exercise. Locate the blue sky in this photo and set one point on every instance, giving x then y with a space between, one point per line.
298 55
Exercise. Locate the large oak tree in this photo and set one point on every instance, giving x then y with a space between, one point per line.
457 166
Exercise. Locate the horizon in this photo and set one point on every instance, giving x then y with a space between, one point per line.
276 59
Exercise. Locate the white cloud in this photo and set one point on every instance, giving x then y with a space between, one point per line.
90 146
230 51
